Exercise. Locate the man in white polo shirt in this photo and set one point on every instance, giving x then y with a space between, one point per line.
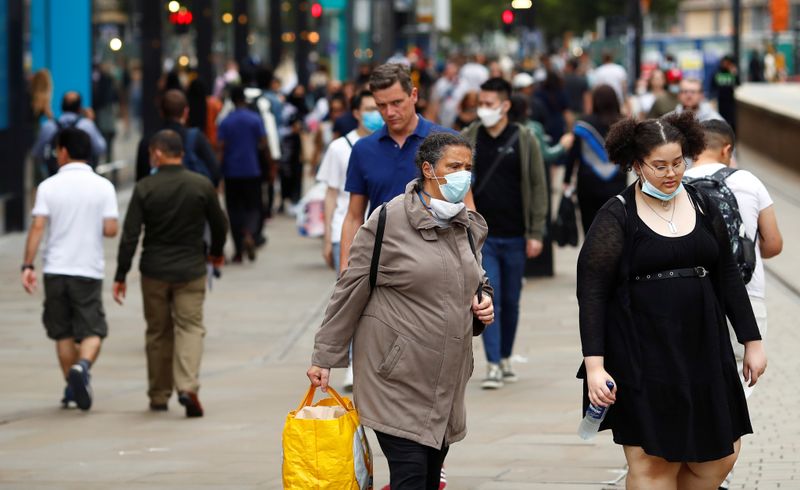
333 173
79 208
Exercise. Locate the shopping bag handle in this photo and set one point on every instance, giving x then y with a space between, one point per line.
309 398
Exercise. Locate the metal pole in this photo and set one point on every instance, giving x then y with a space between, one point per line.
240 31
638 35
301 43
205 37
275 31
737 32
15 138
151 62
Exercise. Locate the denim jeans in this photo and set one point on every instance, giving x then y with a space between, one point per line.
504 262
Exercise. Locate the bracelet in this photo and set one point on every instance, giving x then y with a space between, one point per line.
26 267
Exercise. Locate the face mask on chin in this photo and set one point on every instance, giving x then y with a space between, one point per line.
444 210
653 191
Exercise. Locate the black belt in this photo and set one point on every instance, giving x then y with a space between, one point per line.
673 274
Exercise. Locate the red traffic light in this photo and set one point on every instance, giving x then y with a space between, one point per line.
316 10
508 16
182 17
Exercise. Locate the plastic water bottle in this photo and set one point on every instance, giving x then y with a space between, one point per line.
593 418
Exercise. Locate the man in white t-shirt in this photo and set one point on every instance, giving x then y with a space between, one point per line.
333 172
755 209
758 216
78 208
613 75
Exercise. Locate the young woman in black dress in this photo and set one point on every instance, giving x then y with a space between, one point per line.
656 279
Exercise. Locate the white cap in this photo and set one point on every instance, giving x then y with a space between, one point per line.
522 80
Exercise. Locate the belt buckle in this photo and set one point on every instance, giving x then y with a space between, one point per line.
701 271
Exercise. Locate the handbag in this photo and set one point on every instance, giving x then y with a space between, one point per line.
325 446
564 229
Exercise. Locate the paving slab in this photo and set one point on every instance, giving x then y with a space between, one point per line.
261 318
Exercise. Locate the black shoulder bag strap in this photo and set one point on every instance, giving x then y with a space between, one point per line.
376 249
348 141
472 247
501 153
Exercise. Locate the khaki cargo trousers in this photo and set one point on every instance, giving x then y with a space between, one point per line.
174 337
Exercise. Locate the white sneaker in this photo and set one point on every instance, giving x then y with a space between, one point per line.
494 377
347 385
509 376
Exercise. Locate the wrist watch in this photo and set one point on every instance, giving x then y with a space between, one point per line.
26 266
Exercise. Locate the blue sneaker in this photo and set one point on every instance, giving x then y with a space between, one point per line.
79 384
68 397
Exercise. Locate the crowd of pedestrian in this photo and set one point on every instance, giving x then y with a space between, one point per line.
437 195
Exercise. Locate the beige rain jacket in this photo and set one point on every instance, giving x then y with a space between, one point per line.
412 336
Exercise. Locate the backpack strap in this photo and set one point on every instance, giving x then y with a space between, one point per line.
348 141
722 174
504 150
376 249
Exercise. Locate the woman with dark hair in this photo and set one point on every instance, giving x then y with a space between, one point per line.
412 343
598 177
656 280
467 111
550 152
198 105
552 95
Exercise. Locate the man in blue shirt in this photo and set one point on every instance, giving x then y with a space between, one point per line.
242 141
382 164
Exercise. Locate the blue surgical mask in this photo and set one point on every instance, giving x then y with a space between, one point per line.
652 191
372 120
457 185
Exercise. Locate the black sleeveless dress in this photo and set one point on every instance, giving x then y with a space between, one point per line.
687 403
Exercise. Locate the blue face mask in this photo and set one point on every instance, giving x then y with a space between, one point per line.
652 191
372 120
457 185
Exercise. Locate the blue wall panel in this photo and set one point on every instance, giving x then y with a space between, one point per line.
61 37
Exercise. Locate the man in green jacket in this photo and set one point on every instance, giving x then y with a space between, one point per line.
173 205
510 191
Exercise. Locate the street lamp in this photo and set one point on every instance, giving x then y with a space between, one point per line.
173 6
521 4
115 44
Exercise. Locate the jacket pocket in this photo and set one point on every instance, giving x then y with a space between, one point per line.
391 359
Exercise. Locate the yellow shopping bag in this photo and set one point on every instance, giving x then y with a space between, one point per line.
325 446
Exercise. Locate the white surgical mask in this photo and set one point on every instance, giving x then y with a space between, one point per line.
490 117
444 210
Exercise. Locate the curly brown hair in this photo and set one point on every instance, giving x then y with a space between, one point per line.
630 141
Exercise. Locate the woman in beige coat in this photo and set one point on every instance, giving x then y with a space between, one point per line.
412 333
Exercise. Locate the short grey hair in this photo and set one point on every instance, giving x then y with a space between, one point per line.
386 75
432 148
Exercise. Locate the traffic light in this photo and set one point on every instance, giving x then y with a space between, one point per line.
316 10
181 20
508 20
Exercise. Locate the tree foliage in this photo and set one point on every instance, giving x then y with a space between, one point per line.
553 17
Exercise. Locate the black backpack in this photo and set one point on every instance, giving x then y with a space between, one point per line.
743 247
50 158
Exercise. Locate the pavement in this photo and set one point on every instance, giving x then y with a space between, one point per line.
261 319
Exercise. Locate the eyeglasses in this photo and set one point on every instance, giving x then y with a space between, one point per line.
661 171
689 91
